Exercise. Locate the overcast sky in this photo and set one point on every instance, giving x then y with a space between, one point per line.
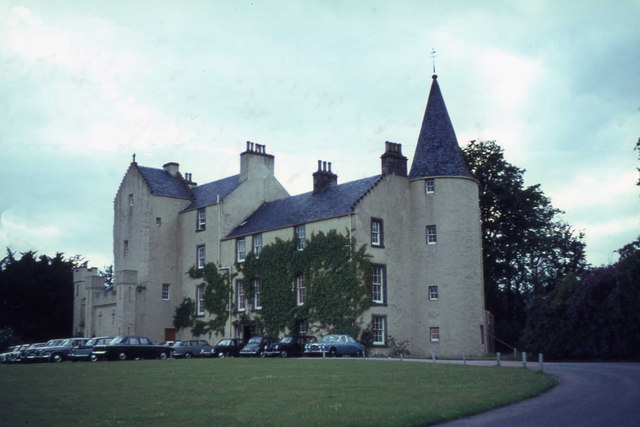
84 85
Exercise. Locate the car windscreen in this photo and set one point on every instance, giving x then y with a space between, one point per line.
255 340
224 342
286 340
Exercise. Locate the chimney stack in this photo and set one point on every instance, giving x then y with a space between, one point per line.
393 162
172 168
323 178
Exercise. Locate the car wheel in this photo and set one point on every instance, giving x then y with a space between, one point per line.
187 355
333 352
283 353
163 356
222 355
93 358
358 353
56 358
122 356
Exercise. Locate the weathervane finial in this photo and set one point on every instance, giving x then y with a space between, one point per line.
433 59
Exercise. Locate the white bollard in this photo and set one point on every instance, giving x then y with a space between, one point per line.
498 359
524 359
541 362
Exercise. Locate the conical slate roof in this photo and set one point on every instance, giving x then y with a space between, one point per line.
437 152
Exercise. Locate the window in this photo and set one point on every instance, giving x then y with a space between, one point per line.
257 296
201 219
158 221
376 232
130 199
241 250
431 235
301 290
200 300
257 245
125 248
165 291
434 334
378 278
433 293
300 236
379 330
200 256
240 300
430 186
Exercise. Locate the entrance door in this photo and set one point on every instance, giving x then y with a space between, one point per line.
169 334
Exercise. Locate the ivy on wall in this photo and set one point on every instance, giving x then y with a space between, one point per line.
337 278
216 300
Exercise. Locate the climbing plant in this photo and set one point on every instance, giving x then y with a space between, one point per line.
183 316
216 299
337 278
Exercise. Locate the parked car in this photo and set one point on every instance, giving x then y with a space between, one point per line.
59 352
256 346
335 345
83 352
227 347
6 356
191 348
290 346
130 347
31 353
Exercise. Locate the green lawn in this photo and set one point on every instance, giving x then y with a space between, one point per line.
256 392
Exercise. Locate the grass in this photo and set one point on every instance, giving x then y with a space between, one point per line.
256 392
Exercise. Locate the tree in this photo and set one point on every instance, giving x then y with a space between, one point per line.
36 295
526 248
216 295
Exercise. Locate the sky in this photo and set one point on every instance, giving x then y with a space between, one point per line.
85 85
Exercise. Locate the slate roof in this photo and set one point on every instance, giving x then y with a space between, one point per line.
437 152
333 202
207 194
162 183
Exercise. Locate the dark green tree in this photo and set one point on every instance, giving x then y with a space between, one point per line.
526 248
36 295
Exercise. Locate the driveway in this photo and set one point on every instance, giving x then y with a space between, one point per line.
589 394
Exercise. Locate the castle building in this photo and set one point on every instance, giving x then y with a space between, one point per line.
421 227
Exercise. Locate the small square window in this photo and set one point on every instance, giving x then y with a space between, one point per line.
434 334
165 292
125 248
241 250
430 186
432 237
433 293
130 199
158 221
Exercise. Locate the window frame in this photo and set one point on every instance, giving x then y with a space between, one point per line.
256 244
379 243
434 334
257 294
383 284
125 248
241 297
431 234
429 186
201 219
201 258
433 293
166 292
301 290
300 233
200 300
241 255
382 319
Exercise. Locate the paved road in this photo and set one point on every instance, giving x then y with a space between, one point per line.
589 394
